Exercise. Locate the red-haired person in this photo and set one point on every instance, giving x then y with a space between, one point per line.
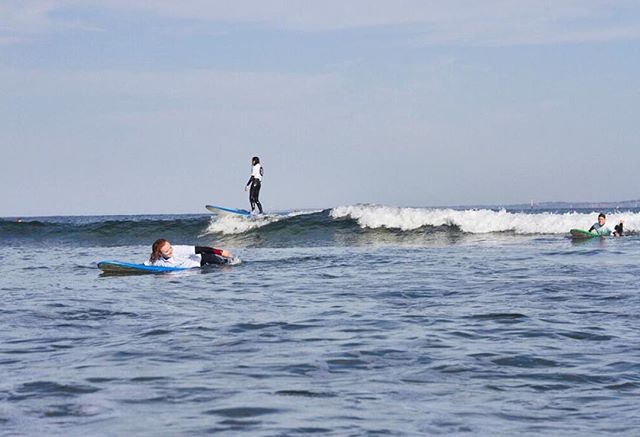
166 255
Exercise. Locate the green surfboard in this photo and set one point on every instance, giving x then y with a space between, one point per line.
582 234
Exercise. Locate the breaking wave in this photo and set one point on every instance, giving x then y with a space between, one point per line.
340 226
478 221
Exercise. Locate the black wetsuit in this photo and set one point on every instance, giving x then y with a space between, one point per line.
254 192
618 229
209 255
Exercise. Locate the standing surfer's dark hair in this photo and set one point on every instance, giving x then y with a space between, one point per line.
155 250
602 215
255 160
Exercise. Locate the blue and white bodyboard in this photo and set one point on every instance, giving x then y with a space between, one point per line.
223 210
111 266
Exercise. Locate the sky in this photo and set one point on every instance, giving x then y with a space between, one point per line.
121 107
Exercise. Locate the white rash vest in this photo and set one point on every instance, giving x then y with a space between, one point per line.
183 256
257 172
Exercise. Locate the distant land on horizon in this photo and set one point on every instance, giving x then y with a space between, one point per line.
608 205
566 205
596 206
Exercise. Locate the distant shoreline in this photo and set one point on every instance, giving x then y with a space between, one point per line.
581 205
596 206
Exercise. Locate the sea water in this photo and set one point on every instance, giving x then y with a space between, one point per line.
358 320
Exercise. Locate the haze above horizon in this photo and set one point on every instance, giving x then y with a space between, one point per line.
117 107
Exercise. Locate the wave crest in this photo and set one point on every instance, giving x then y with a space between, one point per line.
230 224
477 221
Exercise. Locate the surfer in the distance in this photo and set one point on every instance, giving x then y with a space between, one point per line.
600 228
255 182
165 255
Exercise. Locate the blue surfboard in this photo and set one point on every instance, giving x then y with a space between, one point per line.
110 266
222 210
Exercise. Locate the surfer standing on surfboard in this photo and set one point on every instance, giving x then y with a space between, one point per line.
255 181
600 228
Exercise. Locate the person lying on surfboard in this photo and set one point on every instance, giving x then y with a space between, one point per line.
600 228
166 255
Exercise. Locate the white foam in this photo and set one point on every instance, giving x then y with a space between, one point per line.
234 261
236 224
478 221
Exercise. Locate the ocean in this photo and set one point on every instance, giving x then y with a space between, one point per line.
355 320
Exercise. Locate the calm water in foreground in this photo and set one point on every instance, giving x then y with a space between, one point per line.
339 332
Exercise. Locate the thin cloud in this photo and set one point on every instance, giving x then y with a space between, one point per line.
177 89
458 22
29 17
10 40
